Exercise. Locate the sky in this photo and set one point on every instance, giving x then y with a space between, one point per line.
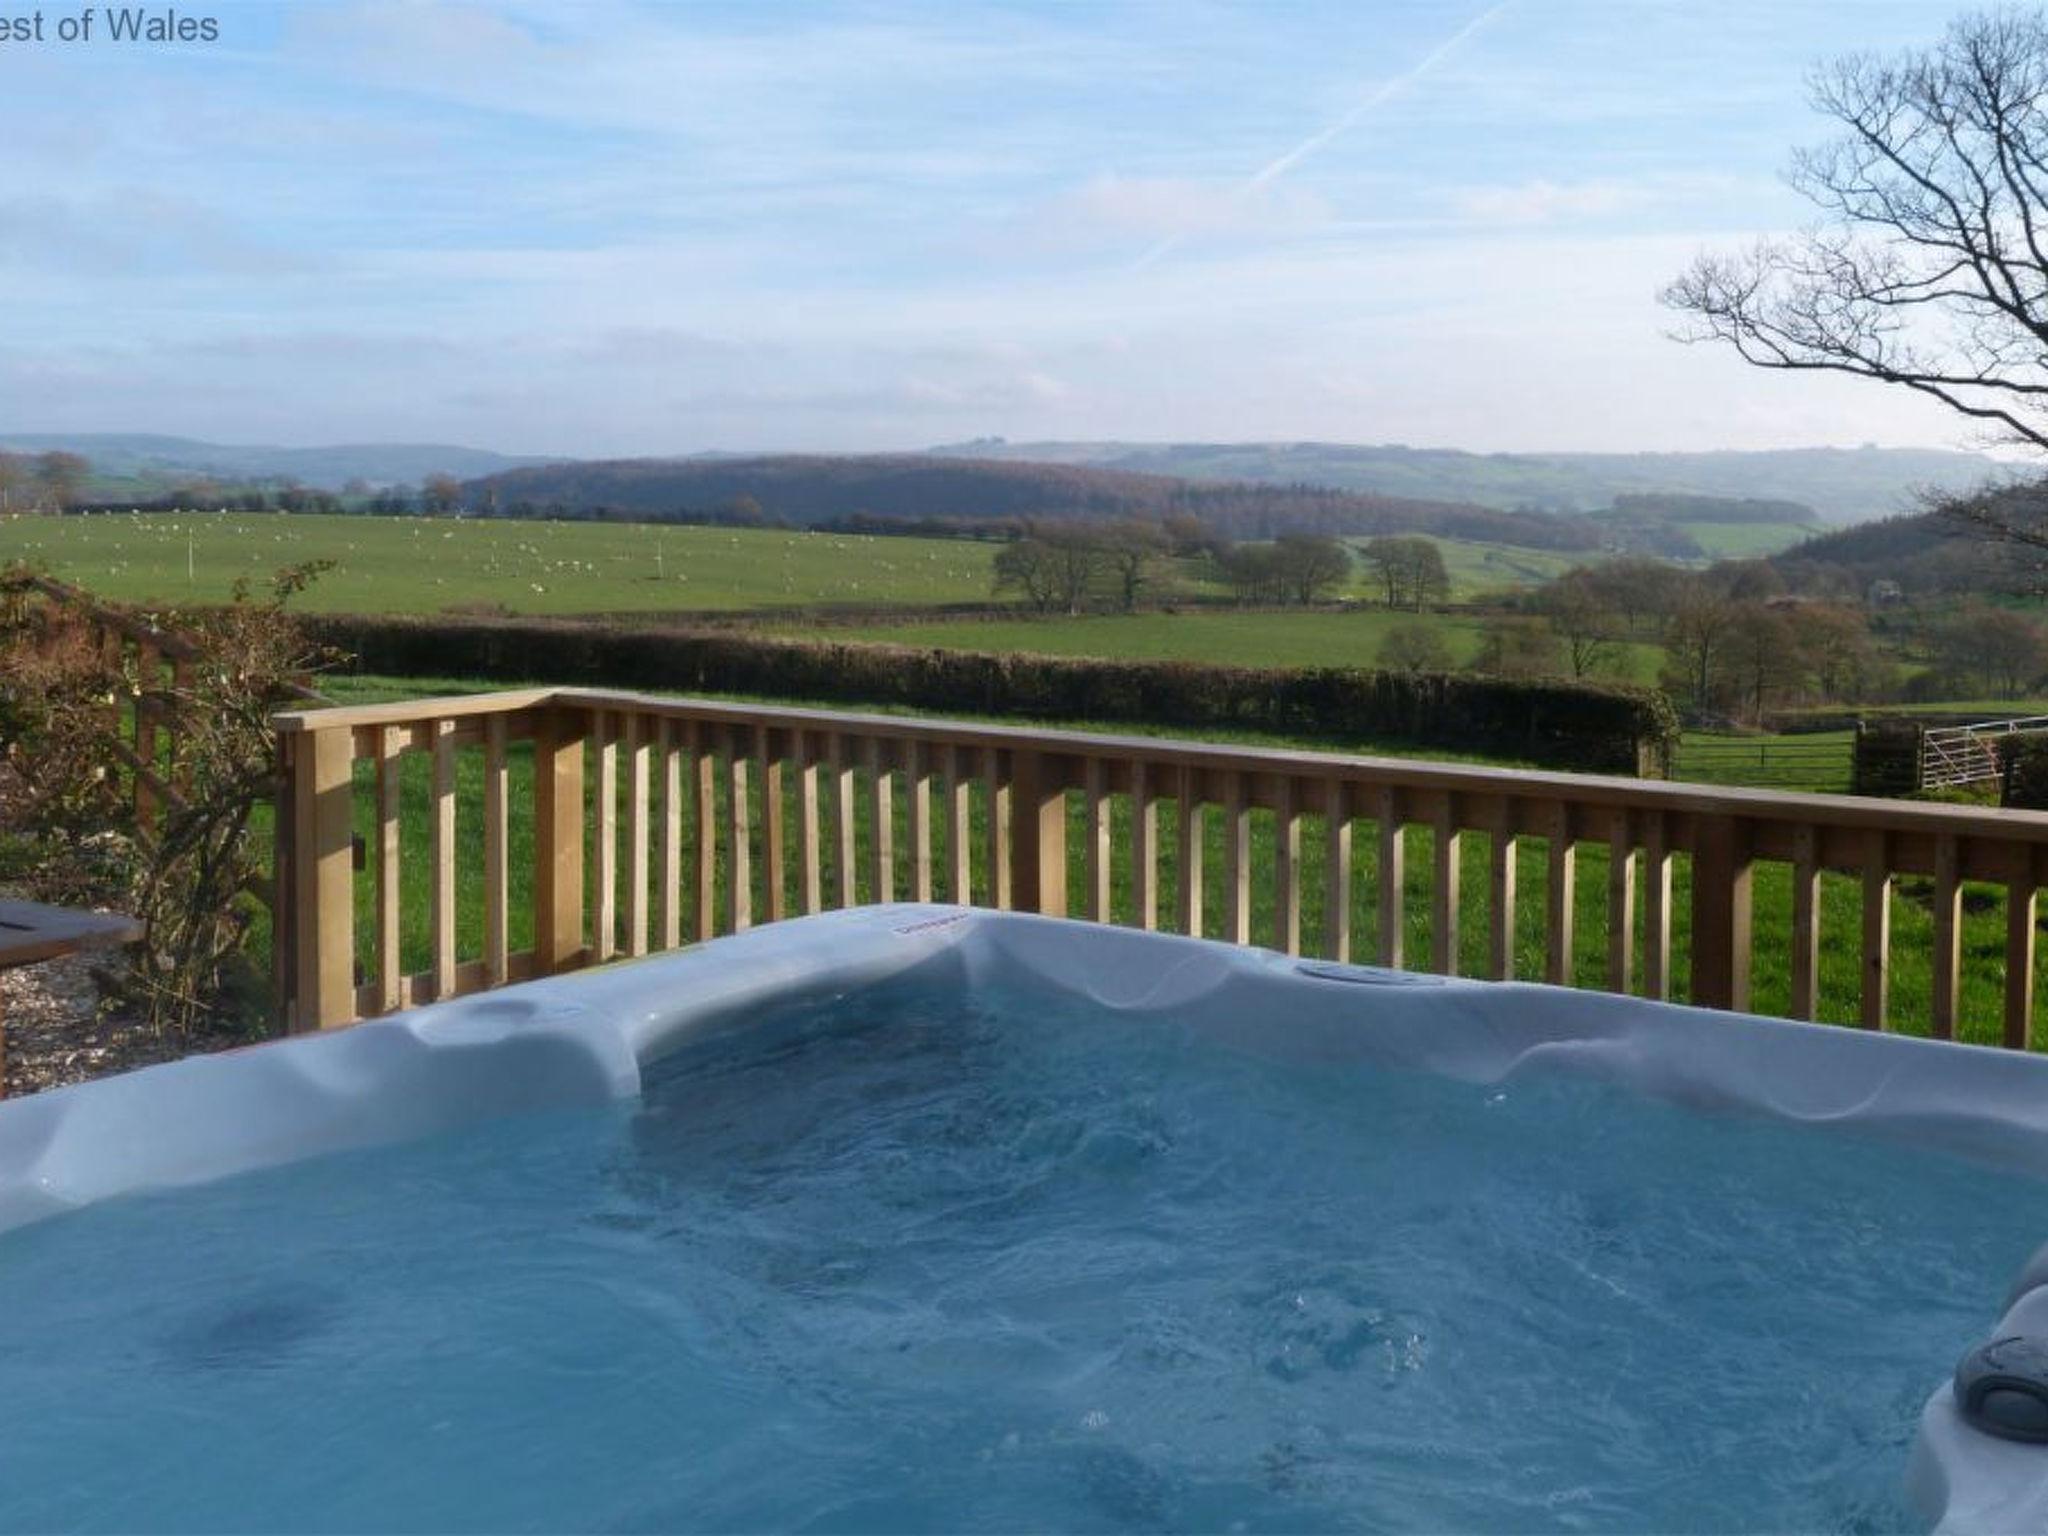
595 227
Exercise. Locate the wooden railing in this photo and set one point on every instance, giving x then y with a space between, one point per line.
699 818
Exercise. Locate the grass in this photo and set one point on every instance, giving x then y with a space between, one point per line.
1743 541
1983 926
1820 762
1259 639
427 565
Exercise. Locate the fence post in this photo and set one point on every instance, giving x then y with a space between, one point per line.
1721 866
1038 853
323 878
558 840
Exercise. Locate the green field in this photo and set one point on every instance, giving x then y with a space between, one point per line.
1742 541
1260 639
1983 921
426 565
1479 569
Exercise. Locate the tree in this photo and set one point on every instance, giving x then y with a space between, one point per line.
1414 646
1409 569
1310 566
1635 588
1928 268
1841 654
60 477
1053 567
14 481
440 494
1132 552
1253 572
1698 636
1577 612
1516 647
1763 657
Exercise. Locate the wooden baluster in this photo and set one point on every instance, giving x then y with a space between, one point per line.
1237 860
323 876
1337 871
1287 867
1039 833
1501 871
443 913
605 874
810 846
671 836
1721 934
1189 851
1948 934
1393 878
918 784
1447 852
739 821
390 958
1561 891
558 841
1097 852
636 832
1877 930
1656 907
1144 847
882 837
1621 903
768 769
1000 875
2020 908
842 821
959 789
704 778
497 838
1805 920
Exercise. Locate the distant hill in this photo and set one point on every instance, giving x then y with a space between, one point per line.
1923 552
1843 484
805 491
142 456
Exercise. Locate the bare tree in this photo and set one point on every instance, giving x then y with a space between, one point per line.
60 478
1133 552
440 494
1929 266
1053 567
1576 606
14 481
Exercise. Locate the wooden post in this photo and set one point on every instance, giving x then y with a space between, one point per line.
1721 869
558 841
390 860
442 857
1560 895
1287 867
1337 872
323 807
1038 839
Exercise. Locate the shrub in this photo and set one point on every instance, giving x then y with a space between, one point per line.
1576 725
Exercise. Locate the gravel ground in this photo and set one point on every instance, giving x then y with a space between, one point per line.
56 1033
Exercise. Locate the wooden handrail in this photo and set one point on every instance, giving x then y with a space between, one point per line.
755 785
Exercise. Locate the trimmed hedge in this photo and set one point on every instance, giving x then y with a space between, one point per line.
1570 725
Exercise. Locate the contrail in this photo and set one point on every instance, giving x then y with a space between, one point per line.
1379 96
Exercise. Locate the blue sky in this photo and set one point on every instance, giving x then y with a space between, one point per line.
597 227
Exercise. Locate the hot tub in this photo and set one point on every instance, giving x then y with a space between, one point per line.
922 1218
